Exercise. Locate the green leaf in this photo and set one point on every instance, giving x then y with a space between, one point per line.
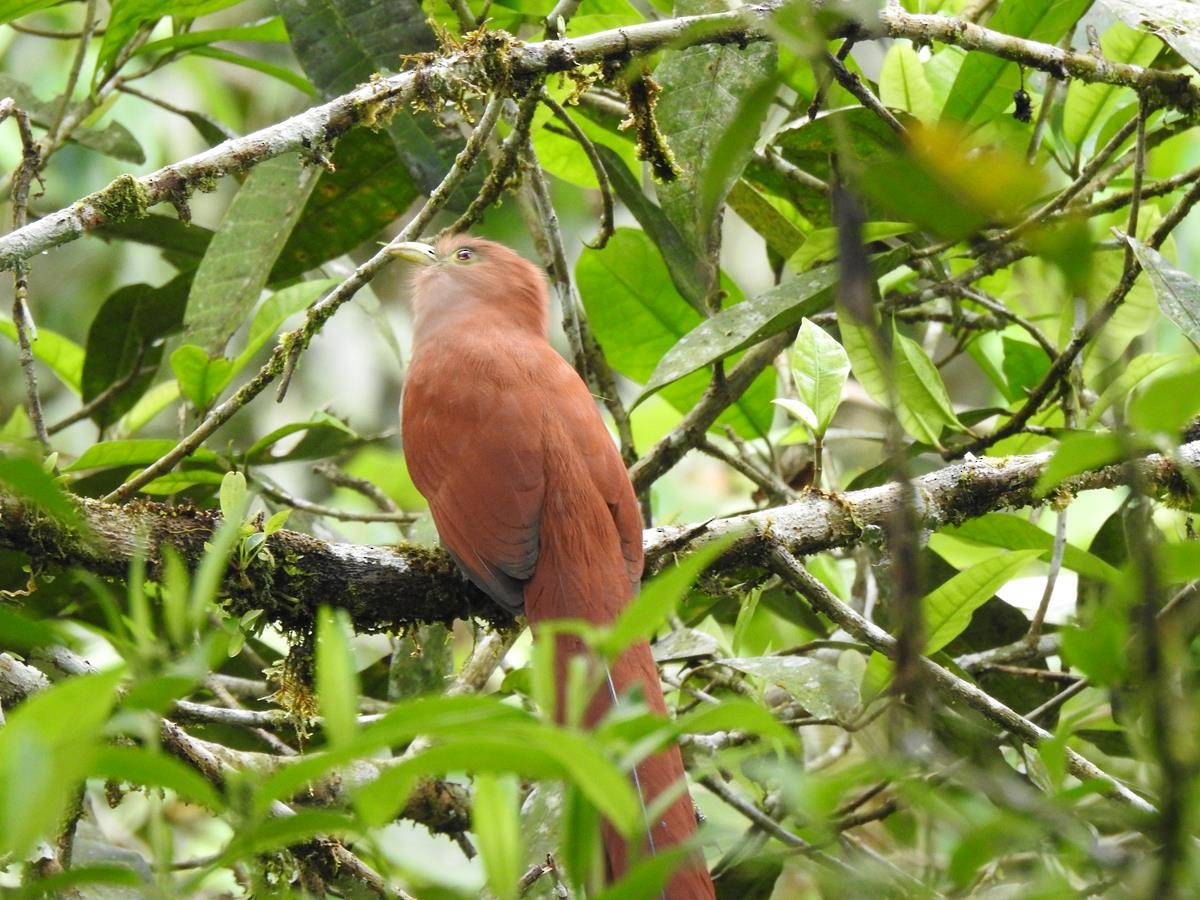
1131 375
270 31
129 15
1088 105
1013 532
22 632
152 403
1178 292
703 89
113 140
337 677
532 751
754 208
286 831
439 716
279 73
496 822
152 768
920 384
234 270
368 189
985 83
948 608
27 478
626 290
559 153
1175 22
201 378
60 354
903 85
821 244
341 43
820 367
183 245
234 499
1078 453
138 452
47 748
325 436
14 9
128 332
1167 403
745 324
687 270
659 597
820 688
854 133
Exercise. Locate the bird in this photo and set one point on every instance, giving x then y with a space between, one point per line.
528 492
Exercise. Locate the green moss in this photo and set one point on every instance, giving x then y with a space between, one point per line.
122 200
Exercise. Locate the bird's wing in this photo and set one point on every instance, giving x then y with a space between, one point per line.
583 424
474 454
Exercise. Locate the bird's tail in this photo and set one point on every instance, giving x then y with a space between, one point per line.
635 672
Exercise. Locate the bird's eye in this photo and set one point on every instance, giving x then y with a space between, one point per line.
464 254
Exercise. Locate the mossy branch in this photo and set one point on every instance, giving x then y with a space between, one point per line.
388 588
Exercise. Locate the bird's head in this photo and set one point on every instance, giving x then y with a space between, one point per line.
464 277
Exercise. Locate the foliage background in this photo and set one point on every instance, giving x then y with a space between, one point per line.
993 323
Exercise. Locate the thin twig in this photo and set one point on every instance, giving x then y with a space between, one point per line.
117 387
505 164
589 150
360 485
825 602
289 346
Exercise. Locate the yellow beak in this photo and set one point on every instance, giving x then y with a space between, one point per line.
414 252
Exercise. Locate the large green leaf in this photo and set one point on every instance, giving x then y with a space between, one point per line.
745 324
980 90
234 270
14 9
128 331
903 85
183 245
496 822
269 31
687 269
138 452
337 677
948 608
626 290
368 188
340 43
703 93
1014 532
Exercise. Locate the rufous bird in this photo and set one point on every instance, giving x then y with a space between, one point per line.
527 490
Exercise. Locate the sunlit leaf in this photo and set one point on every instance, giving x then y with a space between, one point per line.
948 608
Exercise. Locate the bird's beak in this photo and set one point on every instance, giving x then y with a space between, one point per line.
413 252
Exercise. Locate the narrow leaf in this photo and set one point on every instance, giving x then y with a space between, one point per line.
948 608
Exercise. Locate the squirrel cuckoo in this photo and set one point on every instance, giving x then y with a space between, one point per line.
526 488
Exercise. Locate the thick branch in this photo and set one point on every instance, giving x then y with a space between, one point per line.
316 128
383 588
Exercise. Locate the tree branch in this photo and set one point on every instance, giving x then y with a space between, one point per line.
383 588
